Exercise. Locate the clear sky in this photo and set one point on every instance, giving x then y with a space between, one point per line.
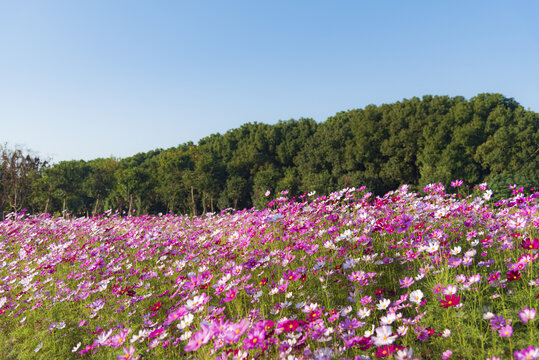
88 79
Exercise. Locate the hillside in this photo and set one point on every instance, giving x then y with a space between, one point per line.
417 141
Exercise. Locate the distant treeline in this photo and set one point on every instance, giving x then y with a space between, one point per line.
418 141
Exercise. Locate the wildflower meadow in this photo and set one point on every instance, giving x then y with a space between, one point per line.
429 275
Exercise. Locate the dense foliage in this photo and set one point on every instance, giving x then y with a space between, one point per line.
418 141
344 276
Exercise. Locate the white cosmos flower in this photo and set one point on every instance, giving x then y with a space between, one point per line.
142 334
450 290
76 347
404 354
402 330
185 321
103 337
363 313
383 304
349 263
186 335
389 319
433 247
346 310
456 250
488 315
416 296
368 333
470 253
384 336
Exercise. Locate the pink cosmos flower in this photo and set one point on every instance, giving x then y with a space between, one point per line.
531 352
199 338
230 294
505 331
366 300
526 314
175 315
407 282
120 338
128 354
236 330
220 325
255 338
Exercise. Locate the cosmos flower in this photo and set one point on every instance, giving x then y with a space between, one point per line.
128 354
513 275
363 312
388 319
416 296
450 290
447 354
526 314
383 304
384 351
404 354
505 331
530 244
406 282
531 352
289 325
384 336
255 338
450 300
496 322
199 338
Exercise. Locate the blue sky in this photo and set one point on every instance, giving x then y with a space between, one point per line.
88 79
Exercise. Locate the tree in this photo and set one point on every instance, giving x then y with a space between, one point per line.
66 181
100 180
18 172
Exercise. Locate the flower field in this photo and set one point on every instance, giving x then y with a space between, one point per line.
344 276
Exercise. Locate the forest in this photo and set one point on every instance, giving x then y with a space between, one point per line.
434 139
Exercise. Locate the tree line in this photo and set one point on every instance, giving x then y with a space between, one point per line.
416 141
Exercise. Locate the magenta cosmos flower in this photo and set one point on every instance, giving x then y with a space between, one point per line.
450 300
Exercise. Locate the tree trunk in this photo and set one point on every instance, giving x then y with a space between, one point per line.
130 204
203 203
193 200
211 203
96 204
46 206
64 206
